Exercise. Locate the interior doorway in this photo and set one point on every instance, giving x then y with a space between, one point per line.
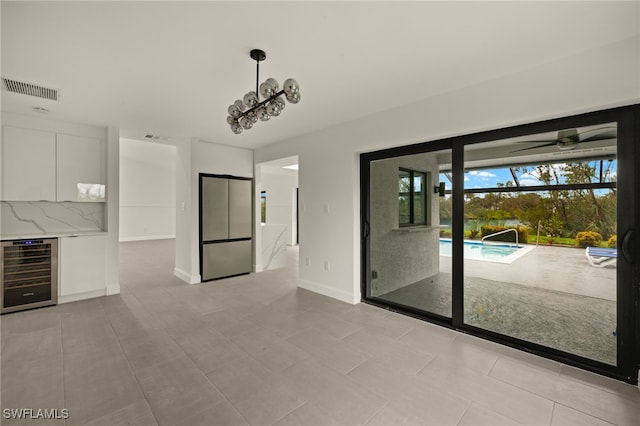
277 185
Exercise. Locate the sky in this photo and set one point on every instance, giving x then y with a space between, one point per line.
489 178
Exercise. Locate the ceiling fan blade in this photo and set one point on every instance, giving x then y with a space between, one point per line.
597 138
598 134
538 141
534 147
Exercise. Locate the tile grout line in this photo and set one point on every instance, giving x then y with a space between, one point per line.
556 403
551 400
353 368
131 370
482 405
64 389
405 333
286 414
464 413
560 376
595 386
208 379
493 365
553 412
375 413
426 365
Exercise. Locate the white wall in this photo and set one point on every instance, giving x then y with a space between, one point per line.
280 186
195 157
112 268
329 159
147 190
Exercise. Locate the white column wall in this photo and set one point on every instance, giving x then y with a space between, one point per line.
112 266
195 157
329 168
182 267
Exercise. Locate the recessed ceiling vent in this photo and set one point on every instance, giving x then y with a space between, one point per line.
23 88
155 137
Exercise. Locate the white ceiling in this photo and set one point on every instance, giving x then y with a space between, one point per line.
172 68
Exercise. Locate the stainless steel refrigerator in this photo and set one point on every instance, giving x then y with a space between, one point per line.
226 226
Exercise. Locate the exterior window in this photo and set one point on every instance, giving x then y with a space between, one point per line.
412 198
263 206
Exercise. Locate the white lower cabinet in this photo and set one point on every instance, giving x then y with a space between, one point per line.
82 265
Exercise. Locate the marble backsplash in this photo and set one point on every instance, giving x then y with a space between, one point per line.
274 246
43 218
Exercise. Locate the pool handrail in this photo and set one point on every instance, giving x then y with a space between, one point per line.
501 232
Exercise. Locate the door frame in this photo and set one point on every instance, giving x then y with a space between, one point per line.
628 223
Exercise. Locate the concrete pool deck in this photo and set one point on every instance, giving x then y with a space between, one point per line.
564 269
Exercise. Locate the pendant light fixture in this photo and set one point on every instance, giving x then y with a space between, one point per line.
267 101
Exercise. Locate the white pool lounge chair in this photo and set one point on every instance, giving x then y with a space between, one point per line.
601 257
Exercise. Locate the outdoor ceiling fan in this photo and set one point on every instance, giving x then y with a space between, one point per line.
570 138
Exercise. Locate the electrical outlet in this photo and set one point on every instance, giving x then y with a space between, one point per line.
327 266
326 208
307 261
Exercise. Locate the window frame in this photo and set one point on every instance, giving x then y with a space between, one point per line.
425 219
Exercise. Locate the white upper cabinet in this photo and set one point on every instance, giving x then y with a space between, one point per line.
39 165
79 169
28 165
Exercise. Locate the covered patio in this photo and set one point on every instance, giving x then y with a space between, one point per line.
551 296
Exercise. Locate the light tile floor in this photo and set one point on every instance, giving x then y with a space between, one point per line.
257 350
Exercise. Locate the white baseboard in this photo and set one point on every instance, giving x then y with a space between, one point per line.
186 277
258 268
146 238
329 291
81 296
113 289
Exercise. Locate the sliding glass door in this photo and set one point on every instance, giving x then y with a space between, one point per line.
525 236
407 198
540 260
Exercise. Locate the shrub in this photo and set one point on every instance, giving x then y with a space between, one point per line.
523 233
445 233
588 239
612 242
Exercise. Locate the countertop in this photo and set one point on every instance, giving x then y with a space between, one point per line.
8 237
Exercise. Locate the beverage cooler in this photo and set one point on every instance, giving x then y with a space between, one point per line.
29 276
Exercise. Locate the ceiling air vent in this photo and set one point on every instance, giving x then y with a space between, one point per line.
155 137
23 88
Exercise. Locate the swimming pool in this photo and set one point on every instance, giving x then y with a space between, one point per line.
492 252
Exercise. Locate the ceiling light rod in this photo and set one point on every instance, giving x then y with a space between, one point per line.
244 113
